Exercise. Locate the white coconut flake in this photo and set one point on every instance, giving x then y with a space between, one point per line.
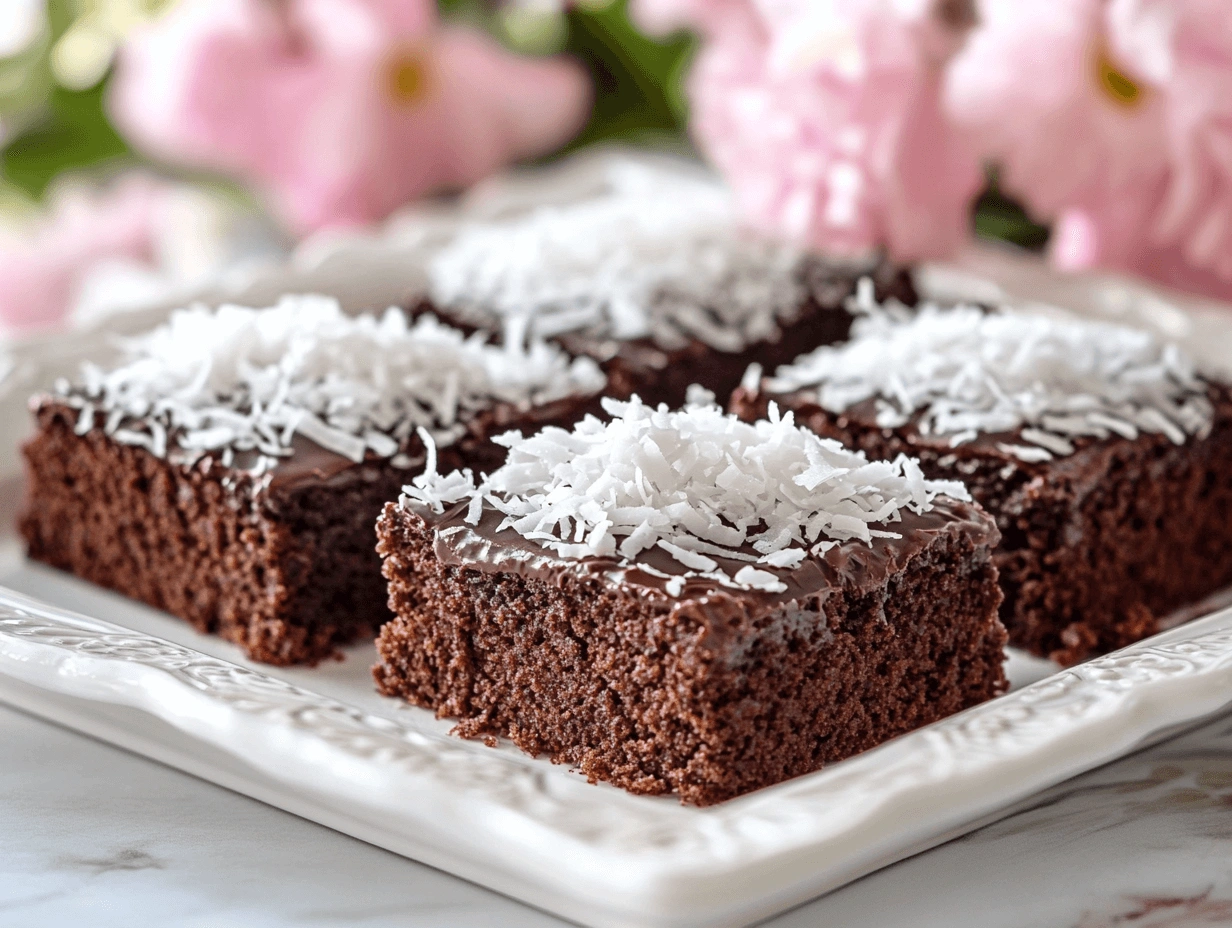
787 557
963 371
751 379
756 579
654 257
249 380
613 489
1054 443
1028 453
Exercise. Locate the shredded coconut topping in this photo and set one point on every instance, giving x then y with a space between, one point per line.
695 483
963 372
651 258
248 380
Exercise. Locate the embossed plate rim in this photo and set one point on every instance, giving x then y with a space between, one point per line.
595 855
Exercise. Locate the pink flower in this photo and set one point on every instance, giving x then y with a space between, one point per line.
1112 118
1185 49
341 110
825 117
42 267
660 17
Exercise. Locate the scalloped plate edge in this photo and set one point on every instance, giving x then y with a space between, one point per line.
482 816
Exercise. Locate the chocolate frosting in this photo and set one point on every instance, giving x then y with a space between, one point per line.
851 566
311 463
985 445
826 280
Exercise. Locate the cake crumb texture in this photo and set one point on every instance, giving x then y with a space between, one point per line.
1096 547
648 695
195 542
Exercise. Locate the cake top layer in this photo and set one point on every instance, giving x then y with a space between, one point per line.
250 380
964 372
702 486
650 259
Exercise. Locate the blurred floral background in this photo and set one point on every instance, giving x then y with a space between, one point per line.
147 144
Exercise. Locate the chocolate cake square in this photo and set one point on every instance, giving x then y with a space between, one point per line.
1104 457
231 467
681 602
657 281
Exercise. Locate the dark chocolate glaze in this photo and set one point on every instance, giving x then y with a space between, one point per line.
995 478
662 374
852 567
984 446
984 449
310 464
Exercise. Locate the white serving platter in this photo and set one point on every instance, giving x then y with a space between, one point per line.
321 744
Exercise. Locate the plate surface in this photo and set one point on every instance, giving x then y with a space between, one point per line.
320 743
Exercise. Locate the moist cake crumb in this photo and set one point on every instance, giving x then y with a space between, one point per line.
230 468
1104 455
680 602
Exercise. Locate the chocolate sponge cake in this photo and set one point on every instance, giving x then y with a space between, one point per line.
1106 460
656 281
680 602
231 467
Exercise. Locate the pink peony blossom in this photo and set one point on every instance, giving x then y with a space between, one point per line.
1112 118
41 268
342 110
826 118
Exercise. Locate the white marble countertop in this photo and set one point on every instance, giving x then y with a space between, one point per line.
91 835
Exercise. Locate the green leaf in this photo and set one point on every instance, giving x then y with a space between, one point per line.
999 217
638 80
75 135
